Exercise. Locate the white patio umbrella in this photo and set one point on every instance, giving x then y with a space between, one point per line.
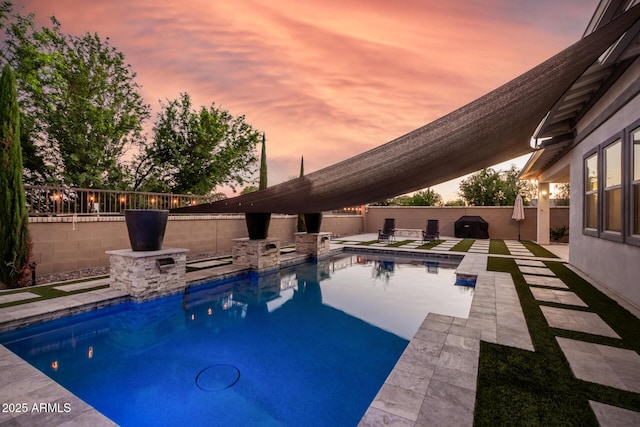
518 212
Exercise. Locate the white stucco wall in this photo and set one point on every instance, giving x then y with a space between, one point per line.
616 265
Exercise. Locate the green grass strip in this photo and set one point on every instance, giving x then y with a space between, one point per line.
430 245
370 242
518 387
463 246
498 247
537 250
400 243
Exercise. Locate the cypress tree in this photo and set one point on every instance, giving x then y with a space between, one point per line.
301 227
263 166
14 218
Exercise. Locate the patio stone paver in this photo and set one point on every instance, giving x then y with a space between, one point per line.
557 296
209 263
579 321
612 416
21 296
530 263
83 285
479 247
553 282
520 253
22 383
606 365
443 247
516 248
444 356
434 382
540 271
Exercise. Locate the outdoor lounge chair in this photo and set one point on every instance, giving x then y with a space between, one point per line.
432 232
388 230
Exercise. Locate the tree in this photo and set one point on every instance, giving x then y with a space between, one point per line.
426 197
249 189
493 188
14 218
396 201
263 166
301 226
456 202
82 107
196 150
563 193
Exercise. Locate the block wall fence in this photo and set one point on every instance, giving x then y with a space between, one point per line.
501 226
62 244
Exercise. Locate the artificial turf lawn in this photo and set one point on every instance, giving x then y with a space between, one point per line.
398 244
518 387
431 244
463 245
537 250
370 242
498 247
47 292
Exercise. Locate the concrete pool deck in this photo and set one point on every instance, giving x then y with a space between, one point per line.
433 383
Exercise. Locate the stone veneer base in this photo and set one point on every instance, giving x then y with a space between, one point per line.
315 244
256 254
148 274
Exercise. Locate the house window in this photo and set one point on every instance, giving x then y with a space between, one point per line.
635 182
591 192
613 187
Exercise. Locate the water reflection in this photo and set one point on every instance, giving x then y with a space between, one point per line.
383 270
253 299
269 326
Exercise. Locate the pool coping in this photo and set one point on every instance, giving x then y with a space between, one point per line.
445 351
434 381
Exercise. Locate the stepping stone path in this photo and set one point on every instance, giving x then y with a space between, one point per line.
612 416
83 285
538 271
530 263
479 247
446 245
603 364
610 366
517 249
553 282
413 244
4 299
557 296
579 321
209 263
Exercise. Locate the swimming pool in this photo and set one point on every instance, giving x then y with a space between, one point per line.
308 345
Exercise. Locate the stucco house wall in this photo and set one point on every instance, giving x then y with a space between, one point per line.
614 264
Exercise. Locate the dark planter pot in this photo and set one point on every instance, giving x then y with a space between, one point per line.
313 222
146 228
257 225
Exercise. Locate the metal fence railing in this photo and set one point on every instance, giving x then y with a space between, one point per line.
58 201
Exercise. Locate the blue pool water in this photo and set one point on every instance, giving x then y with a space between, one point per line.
310 345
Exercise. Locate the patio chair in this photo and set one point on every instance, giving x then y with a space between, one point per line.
432 231
388 230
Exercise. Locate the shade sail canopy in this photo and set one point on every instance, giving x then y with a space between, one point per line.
492 129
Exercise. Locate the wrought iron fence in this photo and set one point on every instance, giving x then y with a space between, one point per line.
58 201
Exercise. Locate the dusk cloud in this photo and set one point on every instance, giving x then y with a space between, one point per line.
326 79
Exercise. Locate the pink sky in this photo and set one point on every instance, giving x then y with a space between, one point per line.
326 79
